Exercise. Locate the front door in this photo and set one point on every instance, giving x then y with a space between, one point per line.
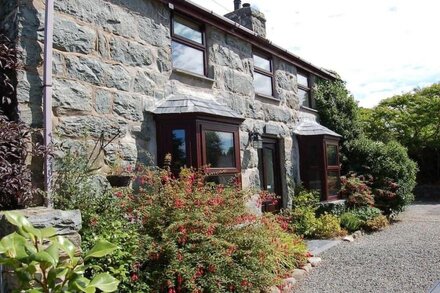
269 167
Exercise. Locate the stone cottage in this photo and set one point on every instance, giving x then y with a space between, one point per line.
169 76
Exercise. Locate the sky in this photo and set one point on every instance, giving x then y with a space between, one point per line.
379 47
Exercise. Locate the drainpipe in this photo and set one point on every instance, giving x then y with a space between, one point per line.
47 96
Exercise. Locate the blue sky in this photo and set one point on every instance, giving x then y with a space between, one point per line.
380 47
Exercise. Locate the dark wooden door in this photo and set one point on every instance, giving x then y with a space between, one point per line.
270 169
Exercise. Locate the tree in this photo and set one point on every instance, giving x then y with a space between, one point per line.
413 119
338 111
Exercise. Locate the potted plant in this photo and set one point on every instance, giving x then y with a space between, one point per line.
120 176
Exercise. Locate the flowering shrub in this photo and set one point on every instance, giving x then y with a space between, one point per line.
203 239
356 191
376 224
328 226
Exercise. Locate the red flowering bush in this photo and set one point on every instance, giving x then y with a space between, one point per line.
357 191
386 196
203 239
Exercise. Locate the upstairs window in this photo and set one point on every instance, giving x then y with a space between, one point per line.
304 90
188 45
263 75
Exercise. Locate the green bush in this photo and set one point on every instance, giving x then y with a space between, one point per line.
376 223
104 217
44 262
203 239
366 213
351 221
386 162
328 226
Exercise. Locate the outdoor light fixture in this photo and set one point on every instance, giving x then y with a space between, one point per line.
256 139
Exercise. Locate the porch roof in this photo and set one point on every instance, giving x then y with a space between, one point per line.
311 127
179 104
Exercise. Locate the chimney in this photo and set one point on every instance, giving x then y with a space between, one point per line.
237 4
248 17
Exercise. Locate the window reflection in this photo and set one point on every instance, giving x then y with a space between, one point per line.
303 80
333 182
303 97
187 30
263 84
262 63
178 148
187 58
220 149
332 155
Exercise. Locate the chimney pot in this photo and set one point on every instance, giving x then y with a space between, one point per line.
237 4
246 5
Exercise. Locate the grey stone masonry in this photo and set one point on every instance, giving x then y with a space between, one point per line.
250 18
112 64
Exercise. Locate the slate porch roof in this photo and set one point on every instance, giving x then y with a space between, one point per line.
179 104
311 127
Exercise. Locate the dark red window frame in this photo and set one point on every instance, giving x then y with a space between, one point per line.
195 125
265 72
318 143
191 43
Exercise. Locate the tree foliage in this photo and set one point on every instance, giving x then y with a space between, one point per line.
413 119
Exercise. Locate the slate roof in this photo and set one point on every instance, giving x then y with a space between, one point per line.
311 127
178 104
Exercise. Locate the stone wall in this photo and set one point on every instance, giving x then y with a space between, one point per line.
112 63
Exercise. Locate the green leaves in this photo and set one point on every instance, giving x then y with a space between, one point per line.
34 254
101 248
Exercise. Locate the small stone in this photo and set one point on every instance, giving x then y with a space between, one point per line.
357 234
273 289
307 267
298 274
314 261
348 238
288 285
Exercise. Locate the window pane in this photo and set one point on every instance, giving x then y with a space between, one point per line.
224 179
315 179
269 173
187 30
303 80
304 99
179 148
333 182
262 63
332 155
220 149
263 84
187 58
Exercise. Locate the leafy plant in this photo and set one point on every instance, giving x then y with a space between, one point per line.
8 81
328 226
203 238
356 191
351 221
15 176
366 213
376 223
35 255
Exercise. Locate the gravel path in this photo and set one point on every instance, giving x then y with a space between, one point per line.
405 257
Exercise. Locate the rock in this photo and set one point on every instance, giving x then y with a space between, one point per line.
273 289
144 84
154 33
103 101
307 267
81 126
118 77
71 95
130 53
357 234
69 36
298 274
238 83
314 261
128 106
288 285
348 238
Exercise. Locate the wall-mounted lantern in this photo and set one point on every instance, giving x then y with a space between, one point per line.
256 139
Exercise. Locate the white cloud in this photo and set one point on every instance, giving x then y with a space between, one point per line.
380 47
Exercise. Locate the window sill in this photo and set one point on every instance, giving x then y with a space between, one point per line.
266 98
309 109
188 74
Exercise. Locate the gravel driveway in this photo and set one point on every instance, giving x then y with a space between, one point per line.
405 257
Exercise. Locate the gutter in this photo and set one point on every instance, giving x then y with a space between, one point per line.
47 97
